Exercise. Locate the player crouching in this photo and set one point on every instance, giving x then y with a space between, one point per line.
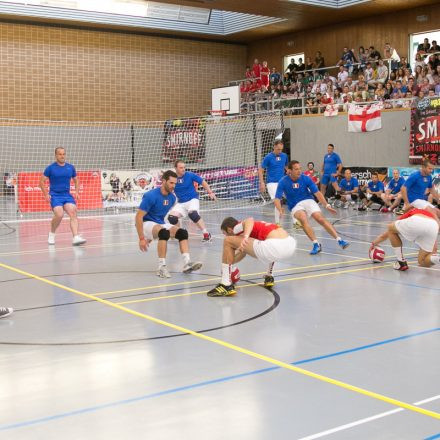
266 242
150 221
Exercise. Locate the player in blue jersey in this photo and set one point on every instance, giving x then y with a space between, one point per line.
299 191
373 193
347 189
331 169
150 225
188 198
392 195
417 187
60 173
275 164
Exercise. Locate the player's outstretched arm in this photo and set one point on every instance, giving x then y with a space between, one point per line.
324 202
43 188
404 193
379 239
139 222
208 190
277 203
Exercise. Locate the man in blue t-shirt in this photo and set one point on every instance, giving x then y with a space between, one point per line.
299 190
275 164
373 193
417 187
60 173
331 169
150 225
188 198
392 195
348 189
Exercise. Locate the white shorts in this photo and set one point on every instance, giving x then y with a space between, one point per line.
421 204
309 205
419 229
182 209
148 228
274 249
272 189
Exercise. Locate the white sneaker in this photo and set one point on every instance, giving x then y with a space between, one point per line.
77 240
191 267
162 272
51 238
5 311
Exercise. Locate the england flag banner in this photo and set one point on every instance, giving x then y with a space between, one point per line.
331 110
362 118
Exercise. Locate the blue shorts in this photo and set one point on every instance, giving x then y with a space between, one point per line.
61 200
326 178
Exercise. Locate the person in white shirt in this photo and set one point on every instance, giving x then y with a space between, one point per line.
342 75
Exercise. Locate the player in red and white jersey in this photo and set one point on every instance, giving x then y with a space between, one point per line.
266 242
419 226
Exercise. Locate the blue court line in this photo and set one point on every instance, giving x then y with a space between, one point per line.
206 383
433 437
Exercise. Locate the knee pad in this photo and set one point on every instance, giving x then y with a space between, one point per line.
354 197
337 196
164 234
194 216
173 220
181 234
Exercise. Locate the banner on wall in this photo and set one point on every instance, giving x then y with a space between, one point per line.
30 197
184 139
405 172
425 131
363 118
363 174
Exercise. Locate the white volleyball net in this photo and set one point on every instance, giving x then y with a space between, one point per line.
117 163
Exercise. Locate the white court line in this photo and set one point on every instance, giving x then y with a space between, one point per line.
365 420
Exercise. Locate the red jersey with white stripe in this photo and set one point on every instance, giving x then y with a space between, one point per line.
416 211
260 231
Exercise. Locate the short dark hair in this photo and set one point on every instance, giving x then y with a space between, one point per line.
167 174
426 162
228 222
331 145
177 162
374 173
291 163
278 142
311 163
59 148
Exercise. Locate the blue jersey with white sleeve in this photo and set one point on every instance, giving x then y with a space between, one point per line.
375 187
395 185
59 177
349 185
296 190
416 186
331 162
185 190
156 205
274 166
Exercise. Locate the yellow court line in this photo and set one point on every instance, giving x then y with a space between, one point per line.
236 348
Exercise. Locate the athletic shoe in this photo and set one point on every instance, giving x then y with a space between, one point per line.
401 265
316 249
362 208
78 240
235 275
222 290
384 209
191 267
346 205
162 272
5 311
51 238
207 238
344 244
269 281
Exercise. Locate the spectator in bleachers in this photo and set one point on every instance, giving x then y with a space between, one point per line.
369 74
425 86
347 59
362 58
264 74
403 63
379 93
309 64
361 87
291 68
424 47
391 53
249 74
256 69
373 54
301 66
350 83
342 75
419 61
434 47
418 75
382 73
319 61
275 77
399 90
338 99
437 85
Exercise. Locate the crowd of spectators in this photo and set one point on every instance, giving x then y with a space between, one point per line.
362 76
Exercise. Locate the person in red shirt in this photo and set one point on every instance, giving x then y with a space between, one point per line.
264 241
264 74
312 173
419 226
249 73
256 68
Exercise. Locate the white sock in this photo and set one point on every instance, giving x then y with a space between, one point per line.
315 241
162 262
338 238
435 259
186 258
226 274
399 253
205 231
270 268
277 215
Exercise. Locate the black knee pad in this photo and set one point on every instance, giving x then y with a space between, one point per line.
164 234
337 196
194 216
354 197
173 220
181 234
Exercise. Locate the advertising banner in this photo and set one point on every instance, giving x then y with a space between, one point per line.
363 174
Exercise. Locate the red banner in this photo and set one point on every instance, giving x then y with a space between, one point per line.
30 197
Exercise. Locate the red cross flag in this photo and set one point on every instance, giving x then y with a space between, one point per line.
364 117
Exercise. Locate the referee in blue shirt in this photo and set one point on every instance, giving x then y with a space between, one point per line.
60 173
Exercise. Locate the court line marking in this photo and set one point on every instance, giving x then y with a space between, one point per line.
211 382
367 420
322 378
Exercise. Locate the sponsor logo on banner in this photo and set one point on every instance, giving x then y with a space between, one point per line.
184 139
363 174
30 197
425 131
